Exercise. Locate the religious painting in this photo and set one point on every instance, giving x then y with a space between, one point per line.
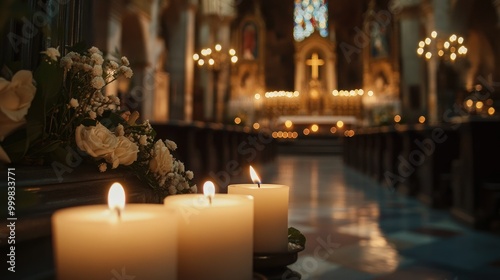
379 41
249 41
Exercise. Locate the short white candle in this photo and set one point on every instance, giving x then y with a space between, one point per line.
270 214
94 242
215 237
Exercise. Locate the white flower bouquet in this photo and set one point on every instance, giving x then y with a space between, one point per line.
60 112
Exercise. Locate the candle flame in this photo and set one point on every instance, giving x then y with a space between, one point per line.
209 190
116 197
254 176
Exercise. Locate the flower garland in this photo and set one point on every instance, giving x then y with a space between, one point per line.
66 112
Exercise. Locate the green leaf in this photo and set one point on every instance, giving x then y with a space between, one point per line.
296 237
49 78
89 122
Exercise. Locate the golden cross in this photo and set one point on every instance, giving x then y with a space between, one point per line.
315 62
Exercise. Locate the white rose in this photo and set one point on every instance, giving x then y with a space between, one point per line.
162 160
15 100
92 115
125 153
96 141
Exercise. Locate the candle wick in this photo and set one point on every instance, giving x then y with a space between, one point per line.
258 184
118 213
210 200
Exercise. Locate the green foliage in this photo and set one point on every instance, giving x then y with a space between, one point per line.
296 237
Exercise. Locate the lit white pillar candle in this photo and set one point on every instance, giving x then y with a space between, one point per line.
115 242
215 235
270 213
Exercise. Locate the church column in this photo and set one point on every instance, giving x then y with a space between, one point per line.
215 29
438 19
412 82
180 63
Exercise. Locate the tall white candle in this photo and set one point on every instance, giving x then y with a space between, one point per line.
94 242
270 214
215 235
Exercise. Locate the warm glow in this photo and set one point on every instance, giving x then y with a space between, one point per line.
370 93
275 134
491 111
232 52
440 52
218 47
479 105
397 118
314 128
256 126
340 124
453 38
460 40
421 119
420 51
335 92
237 120
428 55
211 61
254 176
333 129
257 96
306 131
453 56
421 44
196 56
116 197
234 59
209 190
446 45
427 41
201 62
469 103
295 134
288 123
434 34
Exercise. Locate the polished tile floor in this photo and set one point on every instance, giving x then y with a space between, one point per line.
357 229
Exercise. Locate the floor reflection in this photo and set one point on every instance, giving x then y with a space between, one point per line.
357 229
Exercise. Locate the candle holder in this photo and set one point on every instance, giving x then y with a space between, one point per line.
274 265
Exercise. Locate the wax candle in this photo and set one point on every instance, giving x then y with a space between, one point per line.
215 235
270 213
115 242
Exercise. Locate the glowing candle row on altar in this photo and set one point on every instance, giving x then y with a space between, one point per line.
192 236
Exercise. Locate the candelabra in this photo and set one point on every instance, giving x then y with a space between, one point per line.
215 60
446 49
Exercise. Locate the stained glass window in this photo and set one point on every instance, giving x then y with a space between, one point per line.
309 16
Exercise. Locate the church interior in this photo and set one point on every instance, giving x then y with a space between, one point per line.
370 129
